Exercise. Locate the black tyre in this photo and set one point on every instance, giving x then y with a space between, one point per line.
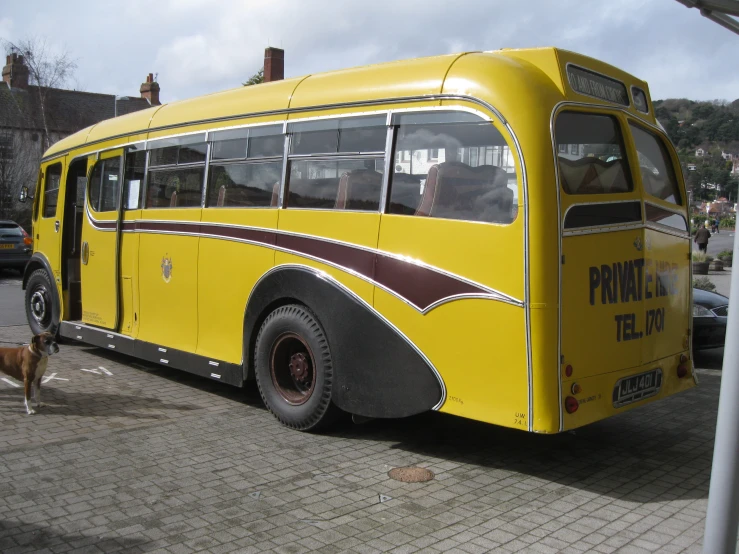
42 310
293 368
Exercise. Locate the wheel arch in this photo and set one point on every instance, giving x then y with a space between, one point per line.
379 371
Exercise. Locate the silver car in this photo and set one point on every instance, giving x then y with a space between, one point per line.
16 246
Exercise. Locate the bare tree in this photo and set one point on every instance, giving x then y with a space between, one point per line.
19 158
46 69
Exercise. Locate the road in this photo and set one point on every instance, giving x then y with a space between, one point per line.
136 457
12 311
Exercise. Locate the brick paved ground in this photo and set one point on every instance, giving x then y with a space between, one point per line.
151 459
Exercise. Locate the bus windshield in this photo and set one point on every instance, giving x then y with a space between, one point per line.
591 154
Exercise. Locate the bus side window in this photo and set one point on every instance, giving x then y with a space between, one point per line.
353 182
176 175
454 171
133 179
103 189
246 167
51 189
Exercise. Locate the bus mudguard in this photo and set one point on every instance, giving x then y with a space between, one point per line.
379 373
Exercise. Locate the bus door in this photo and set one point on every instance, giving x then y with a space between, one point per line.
624 272
48 216
100 241
667 287
602 266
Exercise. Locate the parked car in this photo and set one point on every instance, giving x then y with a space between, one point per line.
709 319
16 246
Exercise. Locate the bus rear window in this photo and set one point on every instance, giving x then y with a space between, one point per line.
591 155
657 174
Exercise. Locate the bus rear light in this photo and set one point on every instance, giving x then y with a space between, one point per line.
576 389
571 404
682 370
568 371
683 358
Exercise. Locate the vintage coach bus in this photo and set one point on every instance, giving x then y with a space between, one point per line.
497 235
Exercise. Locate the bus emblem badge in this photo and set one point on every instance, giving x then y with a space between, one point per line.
638 244
166 269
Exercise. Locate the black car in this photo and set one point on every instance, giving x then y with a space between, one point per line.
16 246
709 319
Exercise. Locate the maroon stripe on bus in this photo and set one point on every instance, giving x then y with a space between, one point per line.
416 283
350 257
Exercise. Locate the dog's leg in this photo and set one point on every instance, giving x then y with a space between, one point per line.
38 393
27 388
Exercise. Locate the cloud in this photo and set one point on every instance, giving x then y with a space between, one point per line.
202 46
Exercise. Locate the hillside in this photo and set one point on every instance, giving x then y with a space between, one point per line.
712 126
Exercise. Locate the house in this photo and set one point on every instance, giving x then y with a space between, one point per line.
33 118
699 153
691 167
727 155
735 166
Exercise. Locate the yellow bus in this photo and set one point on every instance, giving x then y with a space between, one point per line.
497 235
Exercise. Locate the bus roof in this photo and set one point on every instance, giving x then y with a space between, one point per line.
393 80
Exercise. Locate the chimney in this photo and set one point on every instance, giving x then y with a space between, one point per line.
15 73
150 90
274 64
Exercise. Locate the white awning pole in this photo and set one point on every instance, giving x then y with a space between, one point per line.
722 517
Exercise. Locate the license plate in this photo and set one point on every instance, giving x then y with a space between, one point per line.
637 387
7 245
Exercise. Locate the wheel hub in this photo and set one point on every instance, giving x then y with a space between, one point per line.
38 305
299 367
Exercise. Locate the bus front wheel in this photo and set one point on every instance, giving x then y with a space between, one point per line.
41 309
293 368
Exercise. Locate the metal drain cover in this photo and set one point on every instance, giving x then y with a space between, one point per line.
411 474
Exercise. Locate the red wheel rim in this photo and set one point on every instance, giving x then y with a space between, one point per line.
292 367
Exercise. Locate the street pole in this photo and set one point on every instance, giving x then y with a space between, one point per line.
722 517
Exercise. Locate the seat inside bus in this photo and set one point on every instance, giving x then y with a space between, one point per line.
456 190
359 189
591 175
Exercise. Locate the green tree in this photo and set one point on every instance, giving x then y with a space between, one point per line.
255 79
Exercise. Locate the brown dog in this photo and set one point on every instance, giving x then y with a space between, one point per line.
28 364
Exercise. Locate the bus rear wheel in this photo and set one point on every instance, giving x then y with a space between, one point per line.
293 369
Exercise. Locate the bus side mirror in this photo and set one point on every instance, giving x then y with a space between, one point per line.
24 194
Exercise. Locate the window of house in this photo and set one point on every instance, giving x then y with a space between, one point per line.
104 185
453 166
51 189
596 163
655 165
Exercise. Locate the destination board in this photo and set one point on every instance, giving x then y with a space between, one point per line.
596 85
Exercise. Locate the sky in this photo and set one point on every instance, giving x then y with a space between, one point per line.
201 46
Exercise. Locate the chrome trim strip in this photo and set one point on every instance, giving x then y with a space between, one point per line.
667 230
286 112
493 293
389 141
206 171
602 229
327 277
560 223
79 325
285 161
